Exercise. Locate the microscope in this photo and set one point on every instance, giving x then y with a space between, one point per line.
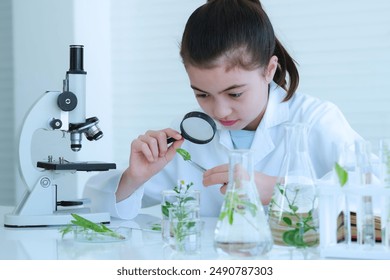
65 111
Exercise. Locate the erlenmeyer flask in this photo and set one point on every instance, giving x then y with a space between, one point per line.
242 228
293 211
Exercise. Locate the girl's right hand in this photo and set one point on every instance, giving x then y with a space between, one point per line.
149 154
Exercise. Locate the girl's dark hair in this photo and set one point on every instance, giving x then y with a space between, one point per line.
241 31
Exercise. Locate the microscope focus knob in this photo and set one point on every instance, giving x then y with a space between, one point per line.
55 123
67 101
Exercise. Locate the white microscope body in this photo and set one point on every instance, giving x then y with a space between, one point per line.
63 111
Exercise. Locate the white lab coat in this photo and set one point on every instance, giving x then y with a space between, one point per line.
328 132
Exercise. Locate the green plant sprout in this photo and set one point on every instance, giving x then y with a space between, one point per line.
304 224
182 226
86 225
181 191
235 203
181 207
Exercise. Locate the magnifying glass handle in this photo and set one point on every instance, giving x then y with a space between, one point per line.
170 140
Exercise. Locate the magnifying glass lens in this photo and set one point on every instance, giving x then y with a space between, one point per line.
197 127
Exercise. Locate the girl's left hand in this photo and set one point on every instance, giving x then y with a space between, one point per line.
218 175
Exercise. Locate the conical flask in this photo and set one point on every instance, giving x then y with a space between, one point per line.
242 228
293 211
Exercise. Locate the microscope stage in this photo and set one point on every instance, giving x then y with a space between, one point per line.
77 166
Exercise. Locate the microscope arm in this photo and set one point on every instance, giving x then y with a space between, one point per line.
44 111
39 197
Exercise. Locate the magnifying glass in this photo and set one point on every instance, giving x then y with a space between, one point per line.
197 127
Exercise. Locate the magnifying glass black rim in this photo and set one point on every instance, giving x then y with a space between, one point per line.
201 115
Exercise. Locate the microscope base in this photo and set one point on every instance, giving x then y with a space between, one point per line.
58 218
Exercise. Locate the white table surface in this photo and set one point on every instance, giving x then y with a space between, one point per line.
48 244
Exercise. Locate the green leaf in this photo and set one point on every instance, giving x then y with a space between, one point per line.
222 215
165 208
342 174
294 208
298 240
230 213
190 225
287 220
186 155
156 227
189 198
251 207
106 228
85 223
289 237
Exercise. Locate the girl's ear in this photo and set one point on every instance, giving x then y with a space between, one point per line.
271 69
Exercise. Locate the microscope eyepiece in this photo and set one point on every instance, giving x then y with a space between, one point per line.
76 65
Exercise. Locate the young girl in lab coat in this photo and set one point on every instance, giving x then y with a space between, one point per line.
246 81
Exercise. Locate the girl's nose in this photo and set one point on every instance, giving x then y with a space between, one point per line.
221 110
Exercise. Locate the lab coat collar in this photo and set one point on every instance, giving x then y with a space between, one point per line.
277 112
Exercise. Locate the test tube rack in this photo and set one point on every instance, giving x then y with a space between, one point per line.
343 214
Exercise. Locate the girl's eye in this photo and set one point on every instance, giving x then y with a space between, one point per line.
201 95
235 95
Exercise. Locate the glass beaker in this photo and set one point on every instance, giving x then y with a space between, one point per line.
242 228
293 211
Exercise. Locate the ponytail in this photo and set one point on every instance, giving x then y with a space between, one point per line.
286 65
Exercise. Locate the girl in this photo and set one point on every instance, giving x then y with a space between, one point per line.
246 81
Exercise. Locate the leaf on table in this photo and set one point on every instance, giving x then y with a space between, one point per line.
87 224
